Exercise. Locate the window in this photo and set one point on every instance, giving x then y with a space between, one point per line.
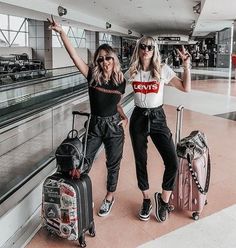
105 38
13 31
75 34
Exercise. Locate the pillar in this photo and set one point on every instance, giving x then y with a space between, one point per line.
40 40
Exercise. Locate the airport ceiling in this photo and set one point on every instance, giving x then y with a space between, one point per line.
150 17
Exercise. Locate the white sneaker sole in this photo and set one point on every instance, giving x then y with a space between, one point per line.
145 218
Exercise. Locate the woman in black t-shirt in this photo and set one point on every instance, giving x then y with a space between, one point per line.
106 86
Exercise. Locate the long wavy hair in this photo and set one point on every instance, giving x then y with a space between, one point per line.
98 73
155 64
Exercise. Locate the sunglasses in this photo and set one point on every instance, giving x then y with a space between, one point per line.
149 47
102 59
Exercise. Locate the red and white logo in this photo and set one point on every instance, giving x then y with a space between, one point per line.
146 87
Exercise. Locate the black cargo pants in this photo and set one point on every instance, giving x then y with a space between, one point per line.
107 131
152 122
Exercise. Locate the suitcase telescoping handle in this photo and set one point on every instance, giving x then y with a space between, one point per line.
74 113
179 123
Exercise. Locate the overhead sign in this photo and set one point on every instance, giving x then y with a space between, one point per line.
169 38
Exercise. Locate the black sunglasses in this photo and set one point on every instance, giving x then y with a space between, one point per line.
149 47
101 59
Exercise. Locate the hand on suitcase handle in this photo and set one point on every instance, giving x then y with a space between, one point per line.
80 113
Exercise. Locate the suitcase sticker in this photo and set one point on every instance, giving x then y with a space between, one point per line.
60 208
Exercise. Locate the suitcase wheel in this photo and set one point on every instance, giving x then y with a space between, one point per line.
171 208
92 231
82 242
196 216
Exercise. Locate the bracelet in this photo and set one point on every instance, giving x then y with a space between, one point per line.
188 67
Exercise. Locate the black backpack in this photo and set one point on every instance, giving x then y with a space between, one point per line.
70 154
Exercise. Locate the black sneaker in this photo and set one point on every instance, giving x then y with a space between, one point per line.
146 209
161 208
105 208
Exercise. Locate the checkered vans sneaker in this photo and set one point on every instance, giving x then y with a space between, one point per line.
106 207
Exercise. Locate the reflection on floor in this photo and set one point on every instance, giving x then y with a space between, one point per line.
230 116
217 224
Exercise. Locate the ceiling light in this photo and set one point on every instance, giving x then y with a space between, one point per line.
197 8
61 11
108 25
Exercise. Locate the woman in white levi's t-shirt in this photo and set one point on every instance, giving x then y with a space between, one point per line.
148 77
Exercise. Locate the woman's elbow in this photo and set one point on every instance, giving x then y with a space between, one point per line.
187 89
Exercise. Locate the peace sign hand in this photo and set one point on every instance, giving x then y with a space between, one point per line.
54 25
185 56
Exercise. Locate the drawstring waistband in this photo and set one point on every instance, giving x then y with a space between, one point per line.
107 118
148 112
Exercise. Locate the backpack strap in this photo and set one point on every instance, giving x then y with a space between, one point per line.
207 183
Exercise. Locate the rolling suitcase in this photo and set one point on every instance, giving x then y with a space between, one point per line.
67 207
67 203
193 178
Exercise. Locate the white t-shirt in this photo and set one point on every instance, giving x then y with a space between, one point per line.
148 92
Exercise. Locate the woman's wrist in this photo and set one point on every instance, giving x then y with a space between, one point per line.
186 66
60 32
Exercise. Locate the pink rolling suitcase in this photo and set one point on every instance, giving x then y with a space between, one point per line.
193 178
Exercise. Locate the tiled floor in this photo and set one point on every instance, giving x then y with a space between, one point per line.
217 225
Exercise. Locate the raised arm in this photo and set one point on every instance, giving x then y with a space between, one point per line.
183 84
79 63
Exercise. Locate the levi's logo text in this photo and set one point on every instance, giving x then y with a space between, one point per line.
146 87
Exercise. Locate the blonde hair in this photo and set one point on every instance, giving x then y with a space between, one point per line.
98 74
155 64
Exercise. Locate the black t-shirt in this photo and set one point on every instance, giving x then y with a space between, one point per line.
104 98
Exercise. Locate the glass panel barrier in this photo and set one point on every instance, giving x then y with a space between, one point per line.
23 145
26 144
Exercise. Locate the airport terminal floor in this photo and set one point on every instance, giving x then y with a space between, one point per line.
209 107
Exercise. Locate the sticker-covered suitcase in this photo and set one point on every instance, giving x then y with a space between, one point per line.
67 207
193 178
